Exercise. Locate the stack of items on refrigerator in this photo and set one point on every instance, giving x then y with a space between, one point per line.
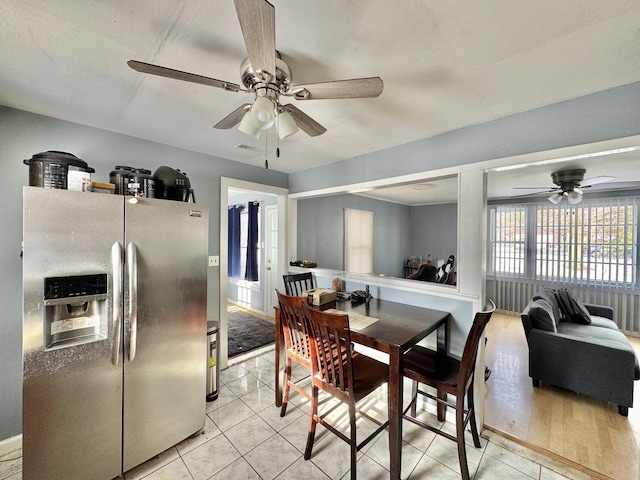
63 170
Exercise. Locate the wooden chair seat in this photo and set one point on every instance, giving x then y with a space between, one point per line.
441 371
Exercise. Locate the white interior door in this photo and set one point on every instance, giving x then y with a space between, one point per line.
271 250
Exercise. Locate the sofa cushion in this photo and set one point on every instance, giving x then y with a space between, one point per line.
603 322
549 294
601 336
541 315
572 308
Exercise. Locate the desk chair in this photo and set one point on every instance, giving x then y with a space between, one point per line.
347 376
296 340
449 376
297 283
425 273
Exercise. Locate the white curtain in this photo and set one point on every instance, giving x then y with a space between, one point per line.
358 241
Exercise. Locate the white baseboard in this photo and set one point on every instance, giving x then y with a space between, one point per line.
10 444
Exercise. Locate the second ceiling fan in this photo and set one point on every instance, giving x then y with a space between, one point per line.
268 77
569 183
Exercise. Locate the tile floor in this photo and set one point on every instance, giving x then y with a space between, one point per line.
245 438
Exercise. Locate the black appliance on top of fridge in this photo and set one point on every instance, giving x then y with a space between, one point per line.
114 335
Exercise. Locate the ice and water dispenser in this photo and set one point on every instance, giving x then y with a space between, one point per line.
76 310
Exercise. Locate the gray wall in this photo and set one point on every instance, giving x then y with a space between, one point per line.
23 134
605 115
321 232
434 231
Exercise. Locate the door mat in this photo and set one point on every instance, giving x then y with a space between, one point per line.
248 332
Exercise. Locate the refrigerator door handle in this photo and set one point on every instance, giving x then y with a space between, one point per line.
132 270
116 297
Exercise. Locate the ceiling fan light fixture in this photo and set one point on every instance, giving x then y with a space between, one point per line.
263 112
556 198
247 126
574 197
285 125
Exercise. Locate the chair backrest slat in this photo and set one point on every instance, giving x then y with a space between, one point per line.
295 284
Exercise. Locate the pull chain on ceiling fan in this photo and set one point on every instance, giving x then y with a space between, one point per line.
268 77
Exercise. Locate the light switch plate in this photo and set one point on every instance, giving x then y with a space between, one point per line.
214 260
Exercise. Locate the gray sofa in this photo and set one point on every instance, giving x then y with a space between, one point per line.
594 359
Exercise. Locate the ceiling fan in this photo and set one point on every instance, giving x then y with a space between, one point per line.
268 77
569 183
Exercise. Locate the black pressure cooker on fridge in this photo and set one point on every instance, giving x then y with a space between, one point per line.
54 169
172 184
166 183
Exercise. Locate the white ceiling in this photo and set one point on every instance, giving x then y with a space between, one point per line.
445 65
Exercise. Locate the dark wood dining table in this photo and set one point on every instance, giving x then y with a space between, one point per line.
399 327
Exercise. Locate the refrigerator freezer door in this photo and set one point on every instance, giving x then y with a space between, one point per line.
72 390
165 381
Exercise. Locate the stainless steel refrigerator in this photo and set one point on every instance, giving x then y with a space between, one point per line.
114 337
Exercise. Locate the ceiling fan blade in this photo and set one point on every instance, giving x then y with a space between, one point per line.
544 189
353 88
184 76
304 121
535 194
258 23
596 180
631 184
234 117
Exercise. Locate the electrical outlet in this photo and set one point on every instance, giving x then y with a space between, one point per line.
214 260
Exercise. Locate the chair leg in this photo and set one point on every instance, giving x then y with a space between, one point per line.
312 423
354 442
414 398
472 418
287 382
462 452
442 407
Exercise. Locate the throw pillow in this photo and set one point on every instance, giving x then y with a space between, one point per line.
572 308
583 316
541 315
549 294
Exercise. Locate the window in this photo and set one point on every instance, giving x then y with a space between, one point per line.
358 241
594 242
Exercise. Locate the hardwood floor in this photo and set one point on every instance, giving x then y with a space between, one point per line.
587 434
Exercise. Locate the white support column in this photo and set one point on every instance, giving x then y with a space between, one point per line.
471 262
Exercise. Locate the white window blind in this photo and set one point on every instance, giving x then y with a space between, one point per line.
508 240
593 243
358 241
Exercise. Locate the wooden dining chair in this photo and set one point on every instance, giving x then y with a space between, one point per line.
296 340
449 376
297 283
346 375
